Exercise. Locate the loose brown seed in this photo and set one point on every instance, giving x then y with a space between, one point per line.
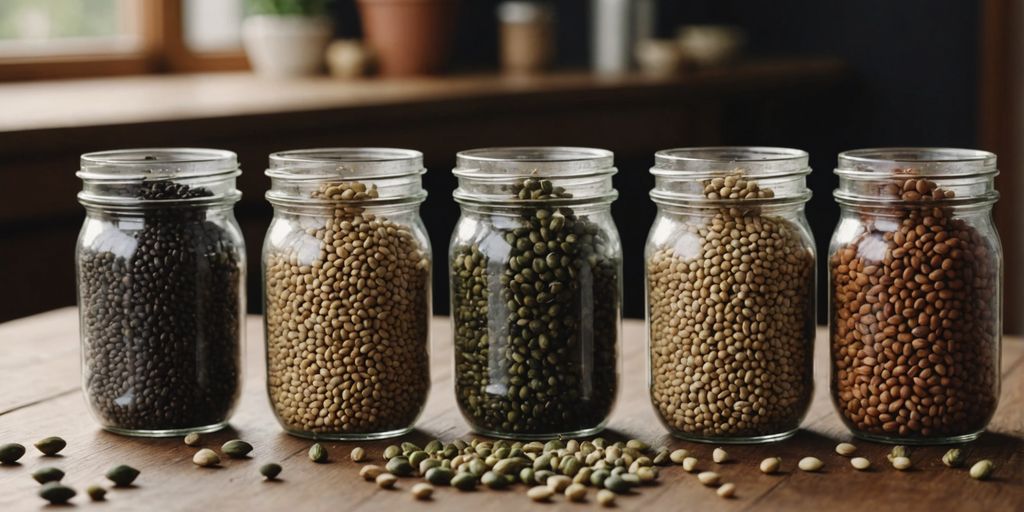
770 465
358 454
810 464
845 449
576 492
206 457
193 439
726 490
370 472
386 480
709 478
558 483
540 493
422 491
606 498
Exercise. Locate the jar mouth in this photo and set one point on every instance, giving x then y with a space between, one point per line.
349 163
873 163
144 164
714 161
503 163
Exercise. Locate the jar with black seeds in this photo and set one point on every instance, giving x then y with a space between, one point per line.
730 293
161 272
346 269
536 291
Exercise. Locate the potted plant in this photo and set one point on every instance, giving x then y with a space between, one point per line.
286 37
409 37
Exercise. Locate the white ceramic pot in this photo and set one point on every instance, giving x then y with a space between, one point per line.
283 46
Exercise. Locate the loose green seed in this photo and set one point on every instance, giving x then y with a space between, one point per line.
616 484
206 458
541 477
439 476
509 466
493 480
898 451
637 444
317 453
661 458
270 470
392 451
583 476
122 475
408 448
598 477
771 465
427 465
576 492
386 480
558 483
10 453
422 491
689 464
56 493
540 493
845 449
358 454
433 447
632 480
606 498
418 456
526 476
236 449
719 455
860 463
45 475
677 456
399 466
96 493
954 458
708 478
901 463
477 467
193 439
51 445
982 469
370 472
810 464
726 490
647 474
464 481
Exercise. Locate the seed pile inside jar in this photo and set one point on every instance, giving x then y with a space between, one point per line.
536 320
160 316
915 319
731 319
347 321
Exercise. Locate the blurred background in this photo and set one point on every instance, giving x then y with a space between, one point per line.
632 76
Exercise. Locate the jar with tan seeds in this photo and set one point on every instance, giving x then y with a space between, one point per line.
730 293
347 292
916 305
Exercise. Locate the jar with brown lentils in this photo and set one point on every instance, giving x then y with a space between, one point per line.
916 306
730 293
161 273
535 267
346 266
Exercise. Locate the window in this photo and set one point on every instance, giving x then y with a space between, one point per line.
67 38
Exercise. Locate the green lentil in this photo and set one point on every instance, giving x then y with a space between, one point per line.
96 493
464 481
122 475
418 456
56 493
11 452
616 484
270 470
236 449
493 480
47 474
51 445
399 466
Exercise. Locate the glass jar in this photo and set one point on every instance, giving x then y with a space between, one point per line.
346 265
915 267
730 293
161 300
536 267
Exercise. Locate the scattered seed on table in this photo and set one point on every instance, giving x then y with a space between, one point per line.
10 453
48 474
317 453
439 476
726 490
392 451
719 455
558 483
193 439
709 478
370 472
954 458
576 492
898 451
51 445
770 465
901 463
464 481
56 493
358 454
122 475
606 498
399 466
661 458
616 484
860 463
677 456
845 449
982 469
206 458
422 491
540 493
647 474
96 493
386 480
271 470
810 464
236 449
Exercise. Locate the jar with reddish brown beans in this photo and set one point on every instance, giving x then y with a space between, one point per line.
915 267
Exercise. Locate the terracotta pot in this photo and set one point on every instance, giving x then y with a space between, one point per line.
409 37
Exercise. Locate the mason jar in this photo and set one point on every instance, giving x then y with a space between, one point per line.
346 274
536 292
915 272
730 289
161 270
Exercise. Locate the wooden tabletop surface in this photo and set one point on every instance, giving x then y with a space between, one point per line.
40 396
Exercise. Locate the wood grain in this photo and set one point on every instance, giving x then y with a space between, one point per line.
39 397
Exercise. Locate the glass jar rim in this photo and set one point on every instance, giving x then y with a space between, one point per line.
140 164
714 161
931 162
344 163
539 161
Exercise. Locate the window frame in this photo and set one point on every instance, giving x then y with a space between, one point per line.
162 50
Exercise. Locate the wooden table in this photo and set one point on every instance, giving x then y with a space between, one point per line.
40 396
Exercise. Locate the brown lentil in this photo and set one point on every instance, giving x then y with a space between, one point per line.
347 322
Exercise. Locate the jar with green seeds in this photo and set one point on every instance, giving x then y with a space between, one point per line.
346 267
535 268
730 293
